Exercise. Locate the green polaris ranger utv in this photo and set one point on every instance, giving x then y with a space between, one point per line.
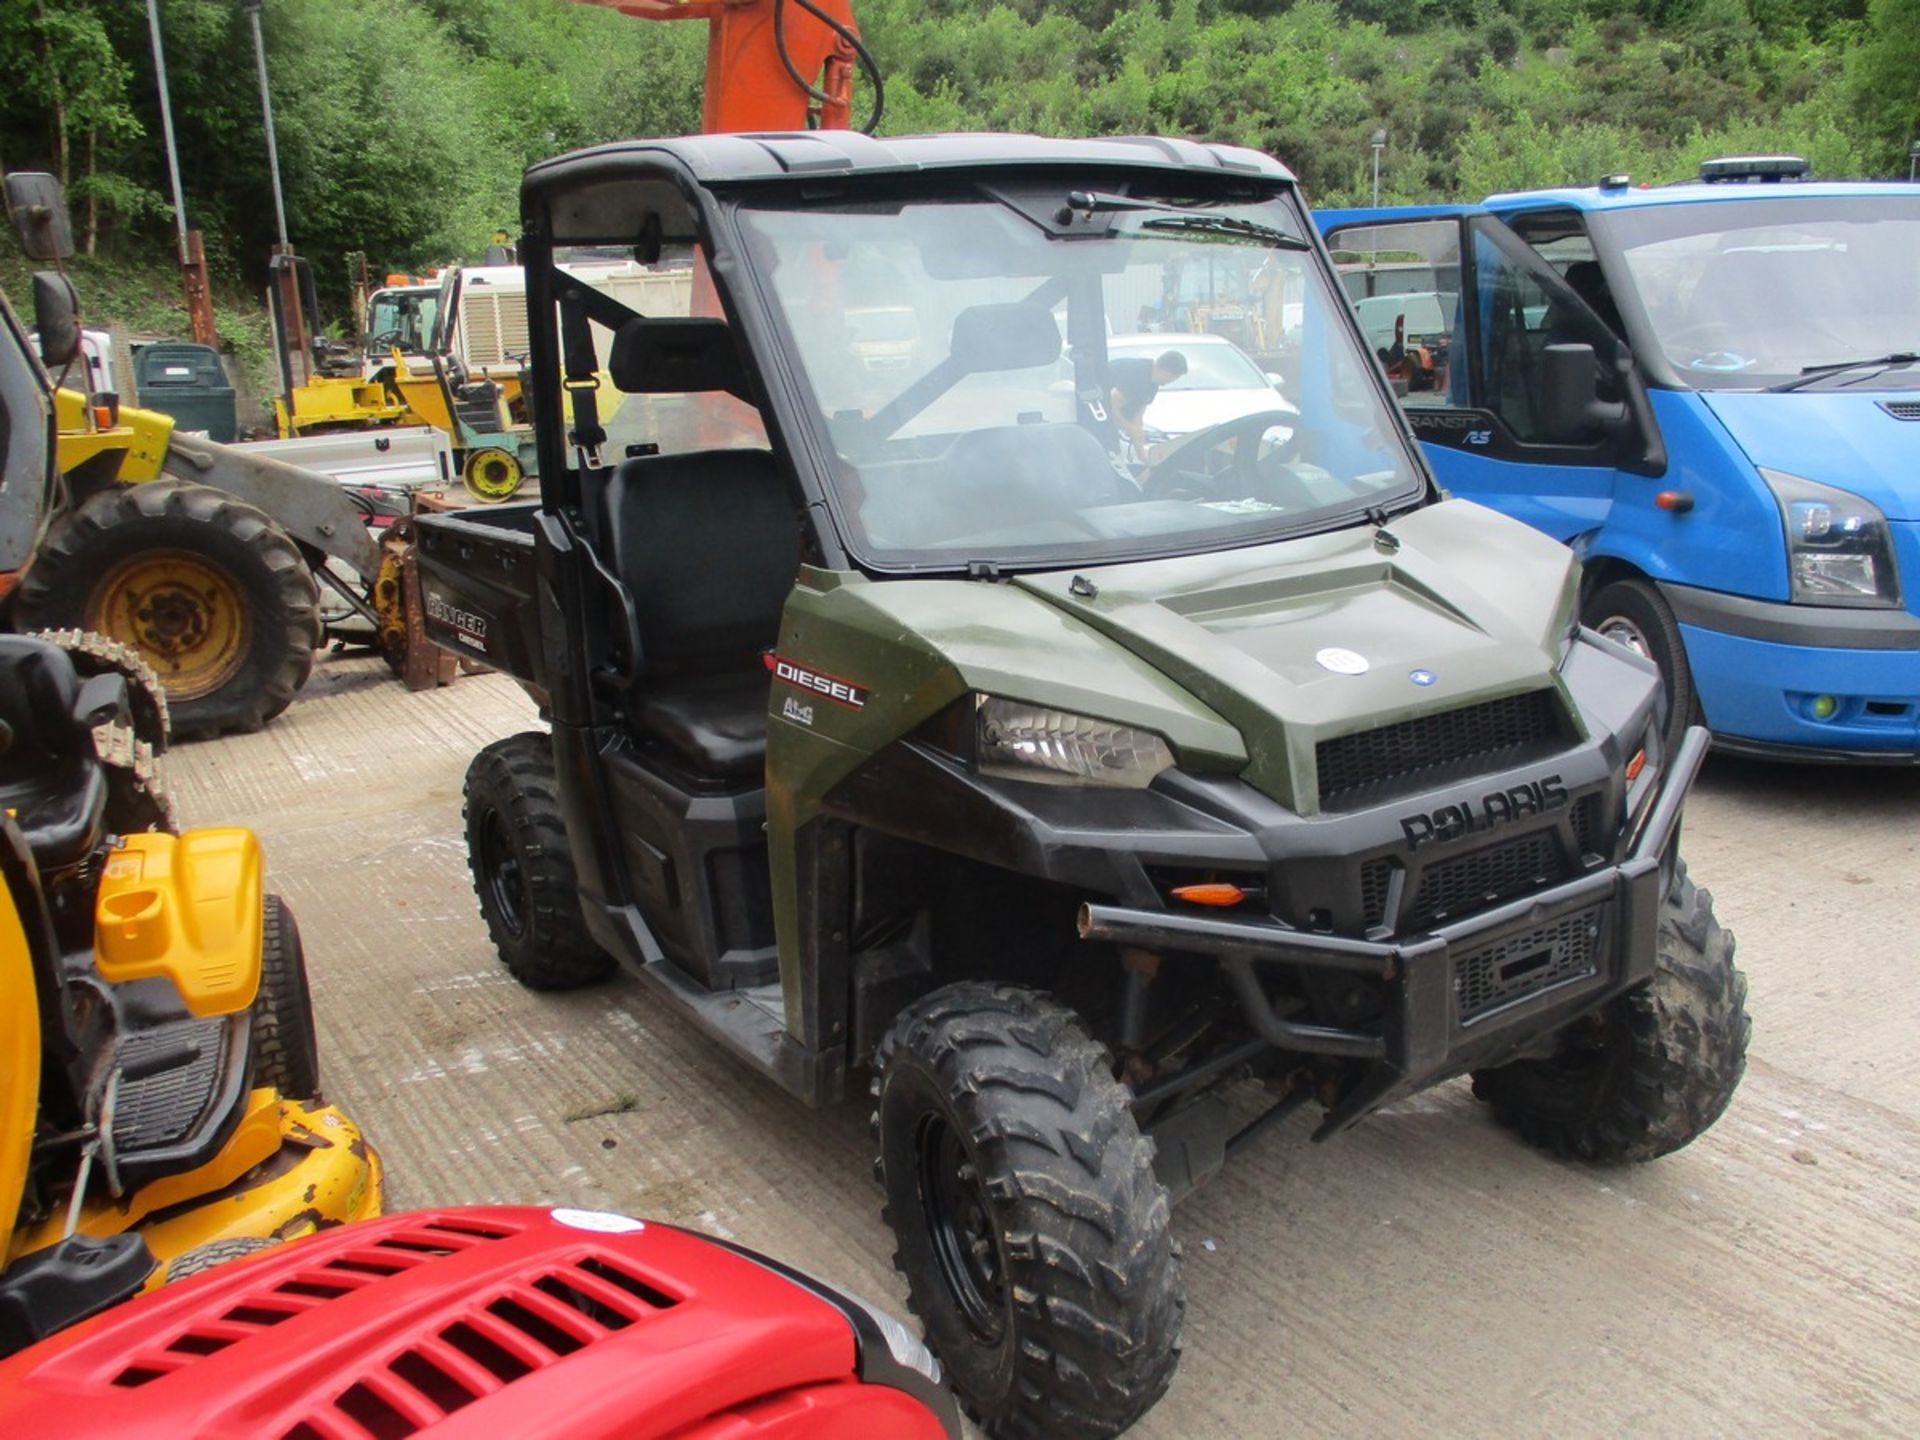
905 724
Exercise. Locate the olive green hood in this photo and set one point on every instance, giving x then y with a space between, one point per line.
1296 642
1226 655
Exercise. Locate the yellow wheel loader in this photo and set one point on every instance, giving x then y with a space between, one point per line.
160 1097
204 559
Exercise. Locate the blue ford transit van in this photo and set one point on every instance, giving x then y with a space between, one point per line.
1712 392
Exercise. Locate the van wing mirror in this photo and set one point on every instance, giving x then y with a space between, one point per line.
39 210
56 315
1571 410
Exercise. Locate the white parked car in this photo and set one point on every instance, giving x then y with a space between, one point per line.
1222 383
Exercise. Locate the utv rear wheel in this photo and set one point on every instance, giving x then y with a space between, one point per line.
1032 1232
523 871
205 588
1656 1068
1632 613
286 1051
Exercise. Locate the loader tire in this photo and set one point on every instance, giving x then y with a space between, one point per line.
1033 1234
206 589
1654 1069
286 1050
523 872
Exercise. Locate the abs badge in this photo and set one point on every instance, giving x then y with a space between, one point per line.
1342 662
1421 677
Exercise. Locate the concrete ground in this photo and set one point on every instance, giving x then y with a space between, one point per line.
1424 1275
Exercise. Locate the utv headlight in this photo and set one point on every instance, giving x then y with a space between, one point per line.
1030 742
1838 548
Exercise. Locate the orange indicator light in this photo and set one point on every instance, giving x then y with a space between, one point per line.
1213 893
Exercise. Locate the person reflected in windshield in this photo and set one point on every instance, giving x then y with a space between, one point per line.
1136 382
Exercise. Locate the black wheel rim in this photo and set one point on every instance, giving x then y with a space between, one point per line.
500 863
965 1243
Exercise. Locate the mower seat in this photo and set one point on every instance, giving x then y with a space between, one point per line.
50 778
707 545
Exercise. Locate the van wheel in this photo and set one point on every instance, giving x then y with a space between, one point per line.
1633 613
286 1051
1033 1235
1654 1069
523 871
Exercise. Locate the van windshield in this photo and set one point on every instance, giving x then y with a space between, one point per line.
956 357
1742 294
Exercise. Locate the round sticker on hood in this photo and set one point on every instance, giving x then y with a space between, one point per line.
1342 662
605 1222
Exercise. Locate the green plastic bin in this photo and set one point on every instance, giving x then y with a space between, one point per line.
189 383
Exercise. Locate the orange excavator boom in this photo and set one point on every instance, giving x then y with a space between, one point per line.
771 64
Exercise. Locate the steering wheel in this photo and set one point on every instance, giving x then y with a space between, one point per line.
1182 472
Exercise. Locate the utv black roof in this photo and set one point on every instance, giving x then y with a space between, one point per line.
719 159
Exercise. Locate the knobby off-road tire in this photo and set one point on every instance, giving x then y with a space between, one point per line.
214 1254
1632 612
523 872
205 588
93 655
1656 1068
286 1051
137 798
1033 1234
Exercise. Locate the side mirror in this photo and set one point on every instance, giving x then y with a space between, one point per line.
56 315
39 210
1571 411
1274 380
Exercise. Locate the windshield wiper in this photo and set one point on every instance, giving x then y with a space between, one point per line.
1227 225
1179 217
1811 373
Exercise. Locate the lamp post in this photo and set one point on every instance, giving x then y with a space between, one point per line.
192 255
296 363
1379 143
266 110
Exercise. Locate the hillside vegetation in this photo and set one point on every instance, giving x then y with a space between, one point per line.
404 124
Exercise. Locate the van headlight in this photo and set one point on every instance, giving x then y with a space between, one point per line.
1030 742
1839 551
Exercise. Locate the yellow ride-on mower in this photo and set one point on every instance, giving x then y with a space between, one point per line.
159 1082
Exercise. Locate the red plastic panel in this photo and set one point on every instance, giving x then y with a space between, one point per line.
478 1322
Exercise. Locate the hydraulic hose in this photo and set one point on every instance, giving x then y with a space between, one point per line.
846 33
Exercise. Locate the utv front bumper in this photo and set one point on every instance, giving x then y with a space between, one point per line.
1460 996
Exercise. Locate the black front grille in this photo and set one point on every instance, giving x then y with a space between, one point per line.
1499 872
1526 964
1375 878
1902 409
1375 764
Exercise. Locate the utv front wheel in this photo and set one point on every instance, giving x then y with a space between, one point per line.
1032 1232
523 871
1652 1071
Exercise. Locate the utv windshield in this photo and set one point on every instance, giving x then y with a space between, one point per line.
990 420
1743 294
